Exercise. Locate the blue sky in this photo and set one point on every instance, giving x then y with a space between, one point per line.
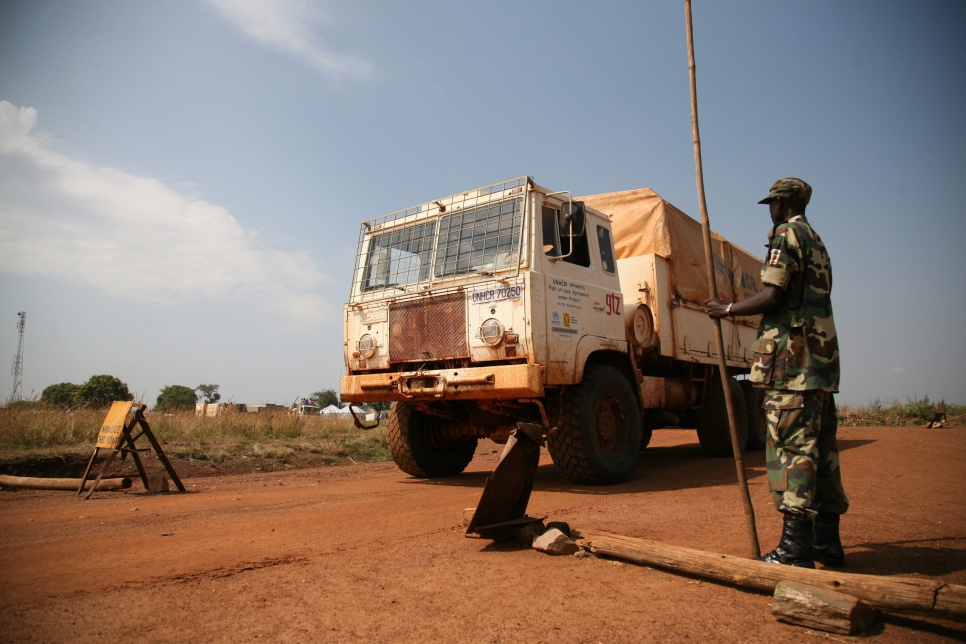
181 182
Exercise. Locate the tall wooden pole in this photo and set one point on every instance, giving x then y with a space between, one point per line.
713 290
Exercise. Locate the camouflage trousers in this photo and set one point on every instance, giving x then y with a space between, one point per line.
802 452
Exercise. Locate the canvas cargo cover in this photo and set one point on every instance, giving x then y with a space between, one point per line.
644 223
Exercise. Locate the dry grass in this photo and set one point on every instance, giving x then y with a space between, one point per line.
237 440
913 413
227 439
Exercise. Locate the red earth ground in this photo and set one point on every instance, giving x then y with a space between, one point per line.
366 552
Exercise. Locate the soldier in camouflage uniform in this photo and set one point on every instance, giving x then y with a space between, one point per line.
797 365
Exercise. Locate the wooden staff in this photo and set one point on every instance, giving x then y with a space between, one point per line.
713 290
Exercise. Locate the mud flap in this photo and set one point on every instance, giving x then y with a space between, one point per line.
506 493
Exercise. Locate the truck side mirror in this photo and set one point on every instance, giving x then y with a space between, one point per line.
572 218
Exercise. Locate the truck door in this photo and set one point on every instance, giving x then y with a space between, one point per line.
576 301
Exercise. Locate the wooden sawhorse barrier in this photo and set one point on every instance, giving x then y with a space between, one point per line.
117 435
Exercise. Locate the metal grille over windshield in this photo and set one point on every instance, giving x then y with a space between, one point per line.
480 240
476 232
400 257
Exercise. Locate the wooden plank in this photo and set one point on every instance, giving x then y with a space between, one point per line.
819 608
894 593
146 429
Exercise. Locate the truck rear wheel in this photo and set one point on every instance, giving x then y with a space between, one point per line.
757 431
714 433
598 441
421 446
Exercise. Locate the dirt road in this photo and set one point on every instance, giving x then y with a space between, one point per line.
367 553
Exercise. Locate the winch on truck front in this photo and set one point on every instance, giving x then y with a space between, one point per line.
512 303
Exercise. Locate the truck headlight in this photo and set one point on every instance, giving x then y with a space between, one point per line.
491 332
367 346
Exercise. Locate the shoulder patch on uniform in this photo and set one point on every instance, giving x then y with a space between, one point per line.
774 256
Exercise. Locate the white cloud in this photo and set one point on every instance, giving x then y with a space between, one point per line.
287 25
134 236
899 370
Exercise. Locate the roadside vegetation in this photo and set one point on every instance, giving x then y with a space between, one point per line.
914 412
236 441
231 442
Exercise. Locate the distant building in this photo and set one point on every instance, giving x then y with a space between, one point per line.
217 409
263 407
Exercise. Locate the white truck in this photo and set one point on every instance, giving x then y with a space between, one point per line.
514 303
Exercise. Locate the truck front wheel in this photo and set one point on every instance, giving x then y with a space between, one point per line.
598 440
421 445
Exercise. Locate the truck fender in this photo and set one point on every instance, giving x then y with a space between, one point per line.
591 344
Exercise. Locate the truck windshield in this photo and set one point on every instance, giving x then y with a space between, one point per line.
479 240
400 257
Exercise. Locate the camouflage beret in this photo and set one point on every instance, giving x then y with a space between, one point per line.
789 188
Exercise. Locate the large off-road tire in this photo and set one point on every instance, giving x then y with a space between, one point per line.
757 430
420 446
712 422
598 440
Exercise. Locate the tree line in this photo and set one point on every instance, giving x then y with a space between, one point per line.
102 390
98 391
180 397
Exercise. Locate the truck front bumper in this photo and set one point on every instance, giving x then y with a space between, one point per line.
501 381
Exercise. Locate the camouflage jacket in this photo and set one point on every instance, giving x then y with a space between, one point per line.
797 348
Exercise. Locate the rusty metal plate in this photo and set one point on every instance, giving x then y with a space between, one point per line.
428 329
506 492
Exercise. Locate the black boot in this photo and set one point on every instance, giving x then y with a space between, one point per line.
827 547
795 548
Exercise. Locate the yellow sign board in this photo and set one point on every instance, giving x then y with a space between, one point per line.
113 428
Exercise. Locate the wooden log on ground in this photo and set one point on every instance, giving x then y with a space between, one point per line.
826 610
951 599
891 593
37 483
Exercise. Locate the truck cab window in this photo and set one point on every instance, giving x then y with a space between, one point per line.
550 239
606 249
481 239
400 257
560 242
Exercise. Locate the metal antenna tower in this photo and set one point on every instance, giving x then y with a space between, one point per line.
16 371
